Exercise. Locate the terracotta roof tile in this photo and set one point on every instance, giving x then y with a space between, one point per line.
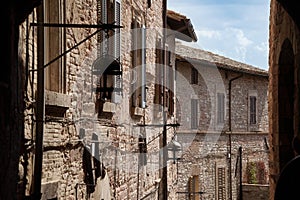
198 55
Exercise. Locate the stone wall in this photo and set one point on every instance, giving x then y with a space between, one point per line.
212 145
282 28
253 191
73 111
205 154
213 81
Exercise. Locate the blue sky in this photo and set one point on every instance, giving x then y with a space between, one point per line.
237 29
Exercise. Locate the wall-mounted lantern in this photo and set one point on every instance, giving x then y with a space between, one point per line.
174 150
108 70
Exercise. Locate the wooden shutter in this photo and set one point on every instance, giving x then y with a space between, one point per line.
55 45
117 96
194 189
194 76
143 67
117 37
159 75
194 113
171 91
103 18
220 108
252 109
134 74
221 183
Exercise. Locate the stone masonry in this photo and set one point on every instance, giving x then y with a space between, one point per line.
76 114
72 111
212 145
283 89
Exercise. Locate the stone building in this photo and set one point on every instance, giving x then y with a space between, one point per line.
100 112
284 96
222 109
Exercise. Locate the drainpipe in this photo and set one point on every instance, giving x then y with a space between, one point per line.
40 108
164 188
230 131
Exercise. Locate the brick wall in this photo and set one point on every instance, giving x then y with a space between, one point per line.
63 175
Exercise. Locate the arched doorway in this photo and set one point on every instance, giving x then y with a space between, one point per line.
286 103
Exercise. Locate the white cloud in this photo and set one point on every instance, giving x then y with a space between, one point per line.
262 47
234 29
211 34
241 38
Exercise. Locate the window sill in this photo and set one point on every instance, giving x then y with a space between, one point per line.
56 103
137 111
109 107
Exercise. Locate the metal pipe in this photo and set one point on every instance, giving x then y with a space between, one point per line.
240 171
230 130
40 108
108 26
164 135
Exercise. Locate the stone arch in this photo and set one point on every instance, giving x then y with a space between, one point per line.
286 103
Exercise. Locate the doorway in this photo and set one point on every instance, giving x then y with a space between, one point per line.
286 103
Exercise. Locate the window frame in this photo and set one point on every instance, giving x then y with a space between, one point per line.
221 184
194 187
194 113
138 82
252 109
108 12
220 108
55 45
194 76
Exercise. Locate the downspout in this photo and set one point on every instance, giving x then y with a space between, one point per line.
164 185
40 108
230 131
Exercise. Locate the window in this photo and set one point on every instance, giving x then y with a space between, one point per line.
165 78
220 108
169 77
194 113
194 76
55 45
194 189
109 44
170 90
220 183
109 11
138 82
252 109
158 97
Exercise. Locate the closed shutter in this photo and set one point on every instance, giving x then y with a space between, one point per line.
117 37
220 108
117 96
221 183
194 76
55 43
252 109
103 14
171 91
159 75
194 188
134 74
143 70
194 113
